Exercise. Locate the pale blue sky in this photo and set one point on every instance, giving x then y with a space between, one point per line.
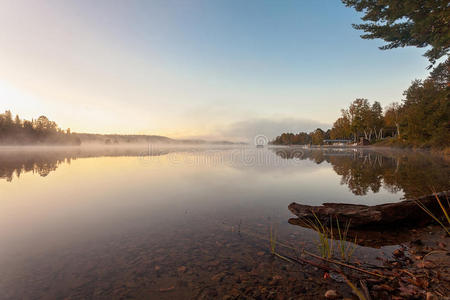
215 69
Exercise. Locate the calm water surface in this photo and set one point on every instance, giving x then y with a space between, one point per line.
179 222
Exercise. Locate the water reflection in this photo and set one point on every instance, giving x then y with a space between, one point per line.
414 173
362 171
42 161
117 222
374 238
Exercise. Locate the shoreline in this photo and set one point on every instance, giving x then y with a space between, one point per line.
441 151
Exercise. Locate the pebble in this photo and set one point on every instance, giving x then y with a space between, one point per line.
442 245
425 264
235 292
275 280
331 294
218 277
398 252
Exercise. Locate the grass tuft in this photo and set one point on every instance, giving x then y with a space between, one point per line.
444 211
346 249
326 237
273 243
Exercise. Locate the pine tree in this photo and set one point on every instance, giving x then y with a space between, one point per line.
401 23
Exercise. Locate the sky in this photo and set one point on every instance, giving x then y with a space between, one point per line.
214 69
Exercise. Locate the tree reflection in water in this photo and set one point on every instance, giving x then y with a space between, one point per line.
362 171
43 162
414 172
40 163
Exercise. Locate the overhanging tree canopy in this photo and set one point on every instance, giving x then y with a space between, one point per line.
401 23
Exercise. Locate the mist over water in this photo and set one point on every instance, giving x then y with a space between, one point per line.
66 211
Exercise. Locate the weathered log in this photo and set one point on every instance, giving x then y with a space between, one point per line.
377 215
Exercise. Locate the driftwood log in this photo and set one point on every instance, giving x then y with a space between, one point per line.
407 211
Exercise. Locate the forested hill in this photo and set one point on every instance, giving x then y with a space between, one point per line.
37 131
42 131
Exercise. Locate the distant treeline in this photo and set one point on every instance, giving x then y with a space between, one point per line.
115 139
422 119
315 137
40 131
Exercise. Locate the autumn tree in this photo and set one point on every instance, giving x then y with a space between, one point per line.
317 136
376 120
341 128
422 119
358 113
392 117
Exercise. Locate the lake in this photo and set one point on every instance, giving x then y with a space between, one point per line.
183 222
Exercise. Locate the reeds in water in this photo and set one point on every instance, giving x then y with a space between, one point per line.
345 248
326 236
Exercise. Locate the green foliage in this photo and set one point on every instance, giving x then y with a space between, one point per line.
425 112
360 119
392 118
422 119
40 131
315 137
359 112
325 243
422 23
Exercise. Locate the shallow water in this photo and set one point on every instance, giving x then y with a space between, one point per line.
192 222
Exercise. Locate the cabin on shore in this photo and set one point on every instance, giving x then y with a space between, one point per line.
337 142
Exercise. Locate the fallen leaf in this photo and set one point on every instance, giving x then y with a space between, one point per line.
170 288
